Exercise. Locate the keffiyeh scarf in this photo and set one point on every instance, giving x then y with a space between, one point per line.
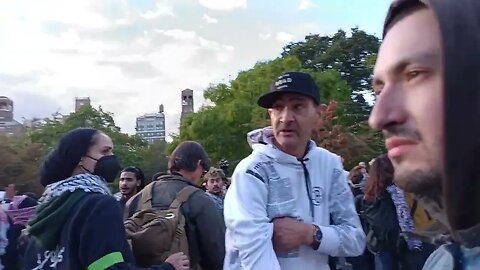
405 220
56 205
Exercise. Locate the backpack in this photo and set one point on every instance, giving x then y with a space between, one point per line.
155 234
380 223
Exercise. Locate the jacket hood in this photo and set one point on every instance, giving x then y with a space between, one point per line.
460 28
261 140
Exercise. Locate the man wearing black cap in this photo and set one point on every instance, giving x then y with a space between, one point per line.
282 196
427 88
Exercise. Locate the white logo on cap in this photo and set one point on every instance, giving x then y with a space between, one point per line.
283 81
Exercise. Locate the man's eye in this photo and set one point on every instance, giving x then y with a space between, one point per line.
413 74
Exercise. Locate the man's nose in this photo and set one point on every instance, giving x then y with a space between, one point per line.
389 108
287 115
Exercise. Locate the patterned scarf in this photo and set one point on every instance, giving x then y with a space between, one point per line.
20 216
405 220
57 203
87 182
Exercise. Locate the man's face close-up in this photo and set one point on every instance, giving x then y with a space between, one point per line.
293 118
128 183
215 185
408 84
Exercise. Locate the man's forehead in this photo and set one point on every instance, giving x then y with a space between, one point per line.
414 37
127 175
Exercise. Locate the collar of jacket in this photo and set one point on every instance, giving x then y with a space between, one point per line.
175 176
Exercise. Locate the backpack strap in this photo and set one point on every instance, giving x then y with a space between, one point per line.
456 252
146 199
182 196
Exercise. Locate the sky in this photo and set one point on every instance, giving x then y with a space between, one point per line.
130 56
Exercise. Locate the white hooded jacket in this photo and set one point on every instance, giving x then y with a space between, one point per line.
270 183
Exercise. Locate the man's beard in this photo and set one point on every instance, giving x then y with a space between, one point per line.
218 193
427 187
129 192
420 182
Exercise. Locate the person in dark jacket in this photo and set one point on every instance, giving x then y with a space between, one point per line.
20 211
204 225
78 224
427 88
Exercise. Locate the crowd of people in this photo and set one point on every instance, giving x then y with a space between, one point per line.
290 204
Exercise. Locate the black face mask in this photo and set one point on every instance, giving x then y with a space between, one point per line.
106 167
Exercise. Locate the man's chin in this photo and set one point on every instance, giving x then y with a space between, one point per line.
419 181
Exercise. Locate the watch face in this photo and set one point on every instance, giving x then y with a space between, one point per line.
319 235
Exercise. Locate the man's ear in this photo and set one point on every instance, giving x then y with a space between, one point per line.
269 111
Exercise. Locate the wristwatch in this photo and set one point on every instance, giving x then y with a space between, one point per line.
317 237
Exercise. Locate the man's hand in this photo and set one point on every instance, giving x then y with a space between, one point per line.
289 234
179 261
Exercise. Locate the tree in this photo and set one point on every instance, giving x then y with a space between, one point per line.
352 56
129 149
222 128
155 159
20 163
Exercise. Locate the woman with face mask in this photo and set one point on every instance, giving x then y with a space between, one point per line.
78 224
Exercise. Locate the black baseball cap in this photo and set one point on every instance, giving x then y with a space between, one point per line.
290 82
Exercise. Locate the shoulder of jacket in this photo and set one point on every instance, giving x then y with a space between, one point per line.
324 153
250 162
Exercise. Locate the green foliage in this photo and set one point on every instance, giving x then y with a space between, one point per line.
222 128
154 159
19 164
21 157
352 56
129 149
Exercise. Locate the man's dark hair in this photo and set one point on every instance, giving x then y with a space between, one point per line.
138 174
400 10
186 157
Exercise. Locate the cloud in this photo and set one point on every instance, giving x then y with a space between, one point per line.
284 37
135 69
131 56
264 36
209 19
223 5
178 34
10 79
306 4
162 9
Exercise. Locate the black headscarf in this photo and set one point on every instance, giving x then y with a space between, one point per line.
459 22
61 162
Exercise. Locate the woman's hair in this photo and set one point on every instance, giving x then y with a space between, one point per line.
380 177
61 162
138 174
186 157
356 175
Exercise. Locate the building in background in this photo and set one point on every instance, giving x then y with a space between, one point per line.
187 103
80 102
8 125
151 126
